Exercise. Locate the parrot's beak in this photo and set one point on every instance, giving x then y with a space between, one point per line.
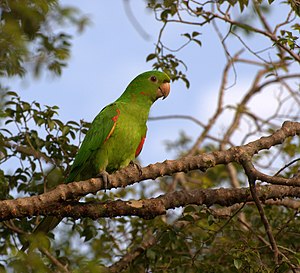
163 91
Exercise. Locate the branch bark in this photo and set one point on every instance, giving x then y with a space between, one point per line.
150 208
55 200
252 184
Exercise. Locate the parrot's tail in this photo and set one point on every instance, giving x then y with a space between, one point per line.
46 225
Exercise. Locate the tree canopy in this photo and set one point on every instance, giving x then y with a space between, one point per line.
228 203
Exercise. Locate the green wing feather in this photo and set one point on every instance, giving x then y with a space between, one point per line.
97 134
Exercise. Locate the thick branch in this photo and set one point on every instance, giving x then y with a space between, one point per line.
36 204
150 208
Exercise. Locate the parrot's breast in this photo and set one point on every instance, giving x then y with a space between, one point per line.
125 141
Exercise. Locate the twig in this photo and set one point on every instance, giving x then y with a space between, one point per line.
28 151
271 36
262 239
57 263
219 108
252 179
266 26
135 23
148 241
286 166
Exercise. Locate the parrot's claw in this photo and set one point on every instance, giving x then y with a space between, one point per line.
138 166
106 179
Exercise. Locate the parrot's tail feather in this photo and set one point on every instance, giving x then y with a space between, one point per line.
46 225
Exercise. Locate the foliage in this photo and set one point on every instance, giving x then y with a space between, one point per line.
30 36
37 148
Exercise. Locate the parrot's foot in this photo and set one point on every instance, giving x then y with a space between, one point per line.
106 179
138 166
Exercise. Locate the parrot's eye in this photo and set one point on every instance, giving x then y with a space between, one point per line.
153 79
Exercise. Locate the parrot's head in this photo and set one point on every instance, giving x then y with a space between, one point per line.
159 81
149 86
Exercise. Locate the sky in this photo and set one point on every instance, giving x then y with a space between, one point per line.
110 53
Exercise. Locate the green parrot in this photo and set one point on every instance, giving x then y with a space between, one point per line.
116 135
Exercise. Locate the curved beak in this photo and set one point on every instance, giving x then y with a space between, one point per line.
163 90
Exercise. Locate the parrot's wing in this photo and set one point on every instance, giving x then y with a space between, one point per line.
100 131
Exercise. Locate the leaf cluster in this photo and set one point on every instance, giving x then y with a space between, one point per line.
30 38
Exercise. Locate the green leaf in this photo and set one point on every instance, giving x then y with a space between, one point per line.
195 34
243 4
190 208
187 35
150 57
12 93
237 263
8 121
211 220
51 124
188 218
198 42
65 130
164 15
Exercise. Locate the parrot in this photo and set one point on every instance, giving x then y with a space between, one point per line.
116 135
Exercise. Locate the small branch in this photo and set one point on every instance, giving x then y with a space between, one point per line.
288 203
148 241
28 151
276 180
252 179
271 36
267 27
262 239
10 224
226 212
57 263
242 105
286 166
135 23
219 108
187 117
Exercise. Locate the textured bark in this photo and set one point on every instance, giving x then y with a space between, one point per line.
54 202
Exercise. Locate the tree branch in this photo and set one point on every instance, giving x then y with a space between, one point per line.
40 204
148 241
150 208
252 183
55 261
271 36
28 151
